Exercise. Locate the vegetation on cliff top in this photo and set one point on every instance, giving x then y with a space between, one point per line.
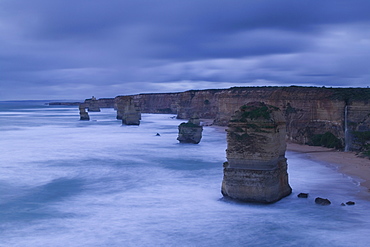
349 94
255 111
190 124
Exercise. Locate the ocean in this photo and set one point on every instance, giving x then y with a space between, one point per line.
65 182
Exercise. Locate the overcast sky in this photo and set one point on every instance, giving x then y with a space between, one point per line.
61 49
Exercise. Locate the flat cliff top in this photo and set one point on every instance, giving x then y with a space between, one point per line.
275 92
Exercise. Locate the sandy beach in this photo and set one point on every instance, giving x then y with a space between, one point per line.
347 162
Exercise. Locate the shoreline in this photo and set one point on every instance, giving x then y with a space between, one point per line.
348 163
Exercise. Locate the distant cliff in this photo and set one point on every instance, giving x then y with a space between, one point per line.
332 117
101 103
310 112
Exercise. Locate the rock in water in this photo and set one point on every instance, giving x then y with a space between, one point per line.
83 113
190 132
128 111
256 170
350 203
303 195
322 201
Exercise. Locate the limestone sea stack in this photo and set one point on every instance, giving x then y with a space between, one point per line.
83 113
256 167
92 104
190 132
128 111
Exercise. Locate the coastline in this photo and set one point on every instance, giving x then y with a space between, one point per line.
347 163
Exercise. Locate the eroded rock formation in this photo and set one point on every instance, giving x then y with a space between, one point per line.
92 104
127 110
190 132
83 113
309 111
256 168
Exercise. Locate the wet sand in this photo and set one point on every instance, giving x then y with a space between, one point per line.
347 162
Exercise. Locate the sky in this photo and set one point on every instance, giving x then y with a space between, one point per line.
61 49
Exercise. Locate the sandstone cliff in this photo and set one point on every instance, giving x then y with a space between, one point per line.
309 111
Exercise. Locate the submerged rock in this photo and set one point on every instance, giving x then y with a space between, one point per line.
303 195
190 132
350 203
322 201
256 170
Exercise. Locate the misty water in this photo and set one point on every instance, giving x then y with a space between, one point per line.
65 182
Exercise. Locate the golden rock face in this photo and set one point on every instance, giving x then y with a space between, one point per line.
256 170
128 111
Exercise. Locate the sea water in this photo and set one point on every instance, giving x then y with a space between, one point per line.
65 182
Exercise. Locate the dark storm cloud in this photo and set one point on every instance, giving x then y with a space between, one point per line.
77 48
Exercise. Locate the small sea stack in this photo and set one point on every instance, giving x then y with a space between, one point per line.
190 132
256 167
83 113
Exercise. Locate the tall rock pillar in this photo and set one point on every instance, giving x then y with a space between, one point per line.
256 167
83 113
128 111
92 104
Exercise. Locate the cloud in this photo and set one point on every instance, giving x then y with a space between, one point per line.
156 46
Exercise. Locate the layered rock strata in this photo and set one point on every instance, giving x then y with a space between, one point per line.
83 113
309 111
256 167
128 111
92 104
190 132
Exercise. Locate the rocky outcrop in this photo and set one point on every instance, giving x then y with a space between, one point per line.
256 168
83 113
308 111
165 103
302 195
190 132
92 104
127 110
322 201
100 103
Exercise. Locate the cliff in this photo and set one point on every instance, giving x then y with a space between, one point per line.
309 111
101 103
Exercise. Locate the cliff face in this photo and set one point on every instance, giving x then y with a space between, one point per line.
165 103
308 111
